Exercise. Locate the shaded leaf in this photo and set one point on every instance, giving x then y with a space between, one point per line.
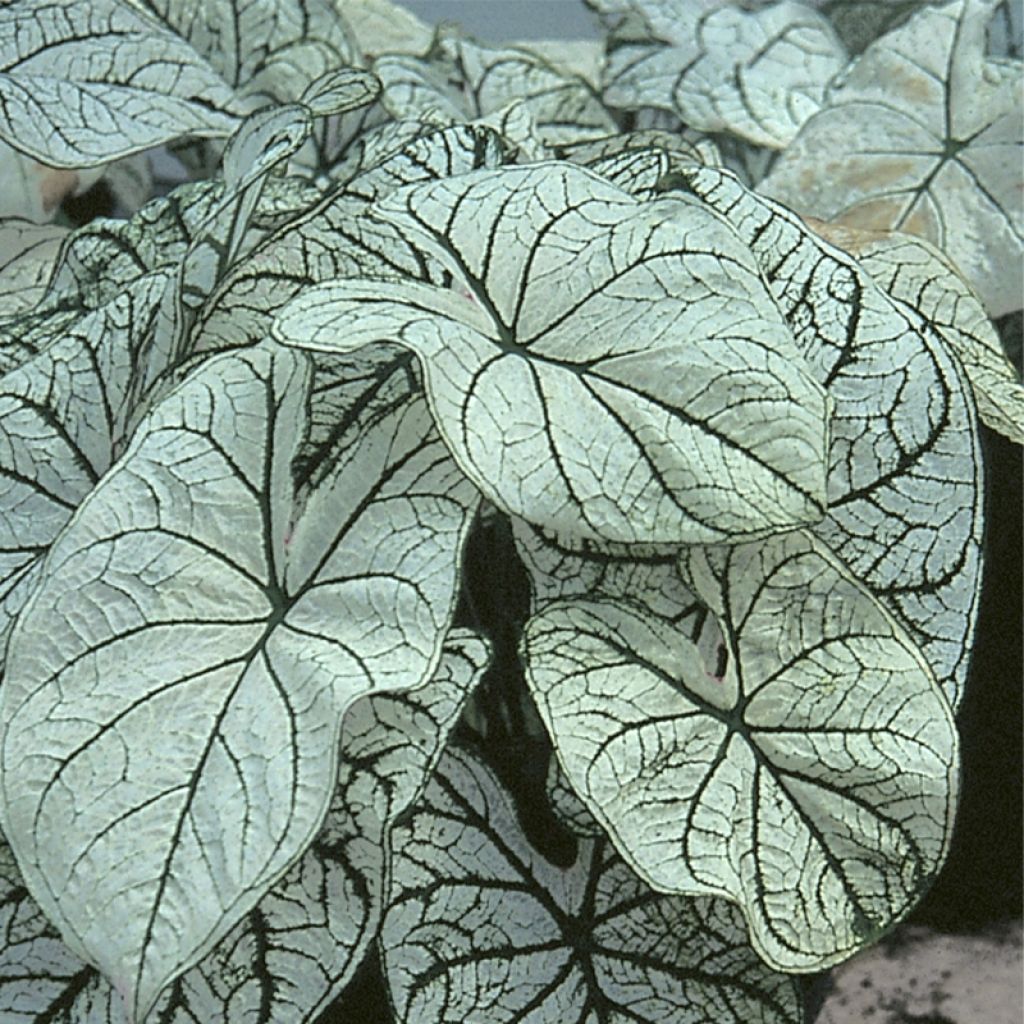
29 251
133 84
481 927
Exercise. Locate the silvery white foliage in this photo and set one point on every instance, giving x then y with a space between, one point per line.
914 272
735 785
759 74
554 365
83 84
905 471
288 956
479 926
923 135
62 413
28 253
333 238
158 591
265 51
1005 35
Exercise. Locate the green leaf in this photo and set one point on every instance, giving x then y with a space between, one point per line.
813 783
481 927
290 955
923 135
905 485
245 627
614 403
132 84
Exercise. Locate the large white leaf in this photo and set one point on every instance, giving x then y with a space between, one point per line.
615 402
924 135
289 956
229 637
913 271
481 928
905 473
85 83
813 783
758 74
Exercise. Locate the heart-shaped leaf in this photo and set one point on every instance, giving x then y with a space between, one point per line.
774 783
613 403
923 135
206 602
289 956
481 927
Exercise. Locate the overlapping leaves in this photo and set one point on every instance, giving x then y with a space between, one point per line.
201 597
614 403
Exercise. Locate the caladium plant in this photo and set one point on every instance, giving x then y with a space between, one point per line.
508 532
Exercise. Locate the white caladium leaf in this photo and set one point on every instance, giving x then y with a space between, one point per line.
246 627
904 486
380 26
758 74
923 135
772 784
266 52
134 84
291 954
538 381
334 239
27 254
62 415
915 272
565 107
481 927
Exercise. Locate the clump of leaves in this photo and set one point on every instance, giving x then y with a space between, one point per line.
478 441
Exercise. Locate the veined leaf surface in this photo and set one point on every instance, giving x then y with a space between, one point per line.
923 135
615 402
913 271
86 83
197 644
905 470
28 254
288 957
813 784
481 927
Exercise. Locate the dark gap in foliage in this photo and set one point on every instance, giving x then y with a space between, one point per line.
496 601
981 882
94 202
364 1000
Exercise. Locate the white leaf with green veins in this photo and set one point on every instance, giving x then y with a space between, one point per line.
230 638
758 74
923 135
334 239
905 486
86 83
28 252
62 414
480 927
813 784
290 955
266 51
913 271
613 403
